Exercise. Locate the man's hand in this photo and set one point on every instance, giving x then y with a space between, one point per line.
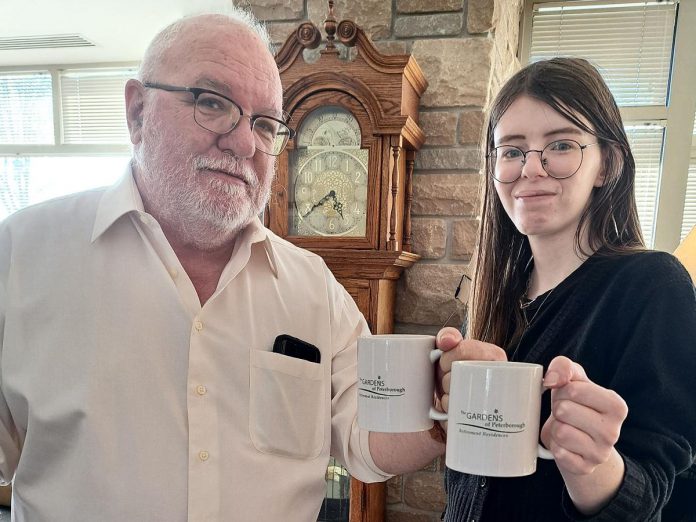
585 419
455 348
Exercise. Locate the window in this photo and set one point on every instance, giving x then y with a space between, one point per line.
643 51
27 114
62 130
25 180
689 220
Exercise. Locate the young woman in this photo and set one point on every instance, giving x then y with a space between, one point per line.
562 279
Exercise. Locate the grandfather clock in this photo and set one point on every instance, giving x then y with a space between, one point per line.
344 185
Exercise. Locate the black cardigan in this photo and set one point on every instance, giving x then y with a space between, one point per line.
630 321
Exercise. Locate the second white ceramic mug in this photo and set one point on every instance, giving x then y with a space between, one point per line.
493 419
396 380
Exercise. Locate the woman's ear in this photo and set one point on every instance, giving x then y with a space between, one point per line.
135 101
601 176
612 161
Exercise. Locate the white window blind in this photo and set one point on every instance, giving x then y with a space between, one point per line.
630 42
689 219
14 184
646 144
93 107
26 109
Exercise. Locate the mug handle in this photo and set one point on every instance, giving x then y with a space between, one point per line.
433 413
437 415
542 452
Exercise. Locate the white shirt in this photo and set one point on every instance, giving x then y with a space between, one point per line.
123 399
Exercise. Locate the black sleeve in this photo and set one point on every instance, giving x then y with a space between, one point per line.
655 373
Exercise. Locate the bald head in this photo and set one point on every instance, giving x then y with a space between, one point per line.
166 47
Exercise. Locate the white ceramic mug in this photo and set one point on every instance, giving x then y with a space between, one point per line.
396 380
493 418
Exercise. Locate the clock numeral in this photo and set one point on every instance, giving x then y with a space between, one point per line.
307 177
356 208
318 166
358 175
332 225
332 161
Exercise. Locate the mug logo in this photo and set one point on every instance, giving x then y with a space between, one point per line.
377 389
490 422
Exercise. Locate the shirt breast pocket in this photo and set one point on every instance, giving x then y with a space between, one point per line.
286 407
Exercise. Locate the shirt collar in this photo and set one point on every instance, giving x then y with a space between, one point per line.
254 233
123 197
120 198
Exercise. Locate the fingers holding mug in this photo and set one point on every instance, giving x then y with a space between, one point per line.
455 348
465 349
584 425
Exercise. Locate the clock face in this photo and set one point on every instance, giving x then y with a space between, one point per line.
328 177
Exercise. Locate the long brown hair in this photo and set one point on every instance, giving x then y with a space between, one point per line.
575 89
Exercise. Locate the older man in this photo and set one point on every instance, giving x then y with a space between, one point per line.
137 322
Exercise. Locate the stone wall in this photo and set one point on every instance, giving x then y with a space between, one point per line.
466 49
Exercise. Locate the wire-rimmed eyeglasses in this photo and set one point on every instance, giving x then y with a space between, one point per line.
220 114
560 159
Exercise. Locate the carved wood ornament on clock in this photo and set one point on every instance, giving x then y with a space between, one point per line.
343 186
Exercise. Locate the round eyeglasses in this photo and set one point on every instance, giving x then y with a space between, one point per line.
560 159
220 114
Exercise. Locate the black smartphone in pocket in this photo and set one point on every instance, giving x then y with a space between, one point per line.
294 347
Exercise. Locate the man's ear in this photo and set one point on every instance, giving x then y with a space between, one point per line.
135 101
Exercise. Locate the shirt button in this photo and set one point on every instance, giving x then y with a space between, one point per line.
203 455
201 390
198 325
173 272
482 482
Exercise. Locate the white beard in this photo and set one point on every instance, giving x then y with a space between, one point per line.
206 213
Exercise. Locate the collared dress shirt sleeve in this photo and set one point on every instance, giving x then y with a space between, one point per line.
349 443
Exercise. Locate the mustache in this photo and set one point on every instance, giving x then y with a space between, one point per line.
229 165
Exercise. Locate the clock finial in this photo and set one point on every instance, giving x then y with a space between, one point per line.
330 27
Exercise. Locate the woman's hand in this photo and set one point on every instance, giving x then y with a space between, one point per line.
585 419
455 348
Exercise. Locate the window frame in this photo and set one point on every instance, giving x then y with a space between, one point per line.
677 117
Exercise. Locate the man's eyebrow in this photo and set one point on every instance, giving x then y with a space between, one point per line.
213 85
563 130
208 83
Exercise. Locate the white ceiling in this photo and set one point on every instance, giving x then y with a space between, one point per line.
120 29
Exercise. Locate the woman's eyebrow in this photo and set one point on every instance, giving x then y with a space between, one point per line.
564 130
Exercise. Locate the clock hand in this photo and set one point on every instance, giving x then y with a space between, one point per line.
338 207
320 203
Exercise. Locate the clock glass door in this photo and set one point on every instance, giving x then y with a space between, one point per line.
328 176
